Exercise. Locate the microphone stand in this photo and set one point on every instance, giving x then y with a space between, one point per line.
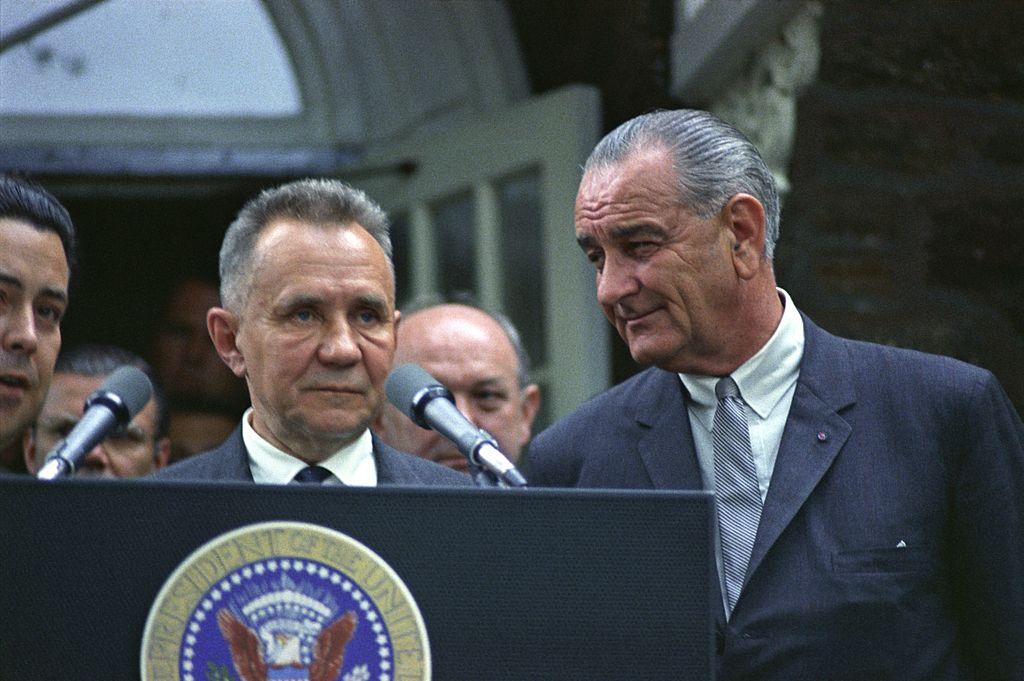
488 466
484 478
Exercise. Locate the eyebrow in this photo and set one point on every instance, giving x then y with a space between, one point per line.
13 281
49 291
373 301
301 300
620 233
57 422
489 382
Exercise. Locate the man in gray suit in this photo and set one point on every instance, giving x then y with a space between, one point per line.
308 320
869 500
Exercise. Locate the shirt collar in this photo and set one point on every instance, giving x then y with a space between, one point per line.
353 464
764 378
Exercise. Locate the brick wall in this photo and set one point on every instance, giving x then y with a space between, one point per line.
905 224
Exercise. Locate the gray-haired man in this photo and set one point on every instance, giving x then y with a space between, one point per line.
308 320
870 500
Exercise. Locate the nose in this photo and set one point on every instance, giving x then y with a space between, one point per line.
615 281
466 407
96 459
339 345
19 330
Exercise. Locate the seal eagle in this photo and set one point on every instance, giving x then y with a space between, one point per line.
253 660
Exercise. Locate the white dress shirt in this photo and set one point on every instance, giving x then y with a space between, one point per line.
767 383
352 465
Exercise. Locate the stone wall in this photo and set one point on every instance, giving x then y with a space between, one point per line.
905 220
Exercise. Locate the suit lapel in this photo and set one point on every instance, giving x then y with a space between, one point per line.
665 445
813 437
233 459
666 448
390 468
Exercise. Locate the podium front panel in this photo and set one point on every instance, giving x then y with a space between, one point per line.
512 584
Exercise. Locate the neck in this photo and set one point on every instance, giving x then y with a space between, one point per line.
305 447
11 458
755 317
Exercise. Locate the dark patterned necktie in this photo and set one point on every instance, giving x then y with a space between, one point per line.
737 496
311 475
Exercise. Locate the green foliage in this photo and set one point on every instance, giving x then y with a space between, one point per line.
218 672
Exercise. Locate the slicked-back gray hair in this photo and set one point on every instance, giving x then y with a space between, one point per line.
423 302
315 201
713 161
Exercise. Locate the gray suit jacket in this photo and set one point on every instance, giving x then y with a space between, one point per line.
230 462
891 543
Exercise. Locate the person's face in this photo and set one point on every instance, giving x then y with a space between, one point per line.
468 352
185 361
316 336
130 452
33 297
665 278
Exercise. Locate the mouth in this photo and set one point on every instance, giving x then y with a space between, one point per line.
459 463
451 458
632 320
15 381
337 389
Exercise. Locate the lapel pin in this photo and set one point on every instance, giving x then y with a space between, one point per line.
822 436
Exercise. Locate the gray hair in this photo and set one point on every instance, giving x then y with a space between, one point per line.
99 360
713 161
423 302
315 201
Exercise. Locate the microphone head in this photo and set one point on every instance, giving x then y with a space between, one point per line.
126 390
406 388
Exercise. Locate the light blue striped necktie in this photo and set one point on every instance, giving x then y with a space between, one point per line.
737 496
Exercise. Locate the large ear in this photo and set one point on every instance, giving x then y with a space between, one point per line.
28 450
744 217
223 327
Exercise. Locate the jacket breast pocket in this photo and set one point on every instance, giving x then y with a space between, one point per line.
889 560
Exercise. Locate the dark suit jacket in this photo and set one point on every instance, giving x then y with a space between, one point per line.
230 461
882 447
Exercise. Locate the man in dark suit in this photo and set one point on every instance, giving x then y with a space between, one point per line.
870 500
37 254
308 320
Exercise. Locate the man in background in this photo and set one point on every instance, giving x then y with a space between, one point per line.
135 450
37 253
480 358
205 400
308 318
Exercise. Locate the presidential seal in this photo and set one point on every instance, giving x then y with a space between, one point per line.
285 601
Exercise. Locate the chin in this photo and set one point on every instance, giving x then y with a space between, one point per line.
341 429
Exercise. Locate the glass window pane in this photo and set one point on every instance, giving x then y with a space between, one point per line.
521 238
153 58
456 243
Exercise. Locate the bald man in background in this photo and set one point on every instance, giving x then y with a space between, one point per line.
480 358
